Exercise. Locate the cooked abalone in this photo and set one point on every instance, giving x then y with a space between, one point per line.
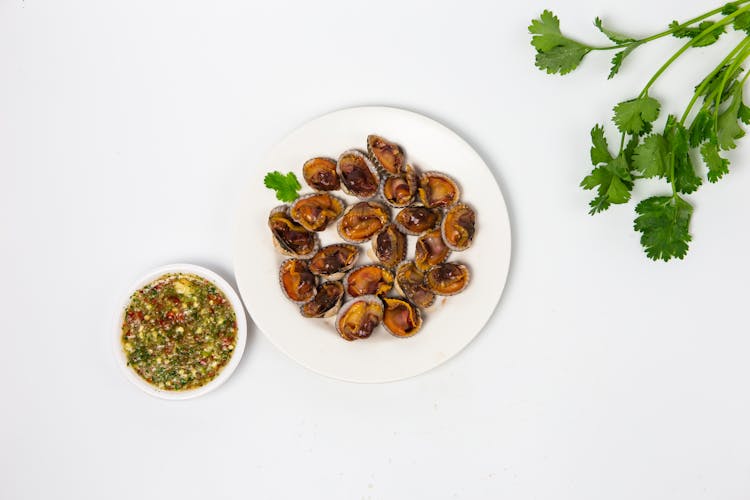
289 237
410 282
316 211
333 261
385 154
399 190
447 278
431 250
358 175
437 190
320 174
326 302
389 246
401 318
368 280
362 221
458 227
296 280
359 317
417 220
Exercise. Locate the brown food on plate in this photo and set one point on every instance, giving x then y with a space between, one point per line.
315 212
289 237
417 220
368 280
359 317
333 261
400 317
297 282
358 175
458 227
385 154
437 190
431 250
399 190
389 246
326 302
320 174
362 221
429 208
411 283
448 278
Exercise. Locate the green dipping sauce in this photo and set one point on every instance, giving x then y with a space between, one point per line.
179 331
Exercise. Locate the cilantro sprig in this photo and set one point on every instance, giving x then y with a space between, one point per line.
286 186
650 148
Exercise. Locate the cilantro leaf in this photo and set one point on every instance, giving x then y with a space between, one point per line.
685 179
701 128
664 222
694 31
650 158
717 166
613 183
728 128
618 58
744 114
635 115
612 35
555 52
600 148
286 186
742 22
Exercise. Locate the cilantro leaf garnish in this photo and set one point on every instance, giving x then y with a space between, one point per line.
286 186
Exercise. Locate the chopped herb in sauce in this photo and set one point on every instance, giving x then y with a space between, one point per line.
179 331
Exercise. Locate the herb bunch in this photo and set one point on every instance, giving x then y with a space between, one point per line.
709 125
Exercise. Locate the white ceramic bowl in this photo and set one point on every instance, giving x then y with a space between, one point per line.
224 374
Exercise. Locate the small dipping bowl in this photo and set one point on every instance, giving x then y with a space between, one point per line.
225 372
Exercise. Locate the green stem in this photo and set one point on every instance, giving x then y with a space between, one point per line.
689 44
744 43
671 30
730 71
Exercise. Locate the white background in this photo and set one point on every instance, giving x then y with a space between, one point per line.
126 132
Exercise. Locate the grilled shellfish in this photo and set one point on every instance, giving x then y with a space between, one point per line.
437 190
368 280
410 282
358 175
296 280
362 221
359 317
399 190
320 174
289 237
431 250
316 211
326 302
400 317
385 154
333 261
417 220
448 278
389 246
458 226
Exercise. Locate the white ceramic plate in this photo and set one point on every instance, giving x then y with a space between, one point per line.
224 374
449 326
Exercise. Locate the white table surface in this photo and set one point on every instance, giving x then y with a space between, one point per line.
126 131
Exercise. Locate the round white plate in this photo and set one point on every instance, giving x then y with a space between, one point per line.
239 348
449 325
